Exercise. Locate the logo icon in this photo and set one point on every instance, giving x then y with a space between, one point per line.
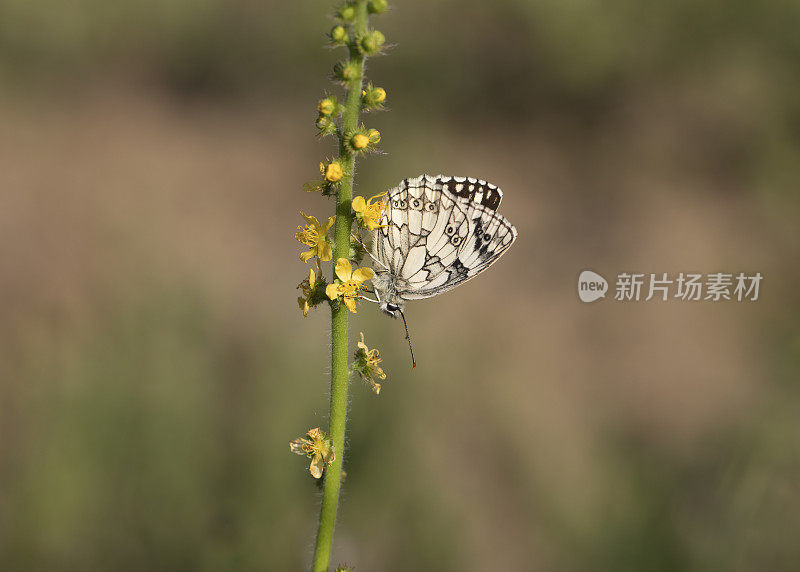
591 286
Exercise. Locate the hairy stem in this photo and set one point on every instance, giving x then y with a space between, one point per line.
340 375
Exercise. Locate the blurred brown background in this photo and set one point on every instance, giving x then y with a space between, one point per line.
154 364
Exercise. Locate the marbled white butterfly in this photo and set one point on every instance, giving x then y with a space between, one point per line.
436 233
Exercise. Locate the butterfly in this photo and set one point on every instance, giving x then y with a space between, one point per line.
436 233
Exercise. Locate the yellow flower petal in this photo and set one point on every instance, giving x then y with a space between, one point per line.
312 220
344 270
312 278
350 303
316 466
363 274
328 224
332 291
303 303
359 204
306 256
324 250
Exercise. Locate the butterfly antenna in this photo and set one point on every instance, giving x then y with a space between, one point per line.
408 337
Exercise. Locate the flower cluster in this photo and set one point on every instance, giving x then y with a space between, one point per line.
345 249
339 117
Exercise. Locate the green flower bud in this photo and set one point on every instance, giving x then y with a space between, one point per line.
326 125
377 6
372 97
346 72
346 12
374 136
372 42
338 35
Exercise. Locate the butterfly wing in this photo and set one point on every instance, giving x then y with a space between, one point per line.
439 232
410 217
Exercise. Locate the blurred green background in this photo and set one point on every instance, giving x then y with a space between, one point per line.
154 365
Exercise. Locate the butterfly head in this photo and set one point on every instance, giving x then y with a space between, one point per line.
391 309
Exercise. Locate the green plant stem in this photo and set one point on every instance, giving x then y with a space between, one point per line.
340 374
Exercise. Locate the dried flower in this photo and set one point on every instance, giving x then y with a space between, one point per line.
367 365
317 447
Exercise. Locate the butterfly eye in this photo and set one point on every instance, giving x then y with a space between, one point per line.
487 237
430 207
456 240
395 204
449 230
403 204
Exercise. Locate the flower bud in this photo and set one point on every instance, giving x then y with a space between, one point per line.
359 141
372 42
327 106
374 136
372 97
377 6
346 12
326 126
333 172
379 94
346 72
338 35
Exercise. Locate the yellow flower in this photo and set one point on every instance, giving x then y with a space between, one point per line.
367 365
316 447
369 213
379 94
359 141
307 287
315 236
349 283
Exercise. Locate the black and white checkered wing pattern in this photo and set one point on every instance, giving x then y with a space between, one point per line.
439 232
